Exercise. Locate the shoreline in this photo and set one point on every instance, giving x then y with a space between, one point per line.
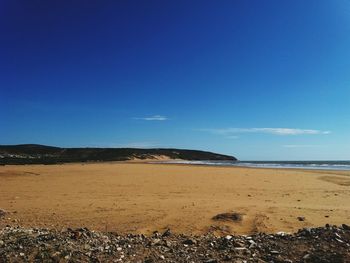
162 162
248 167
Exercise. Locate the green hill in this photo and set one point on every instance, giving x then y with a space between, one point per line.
41 154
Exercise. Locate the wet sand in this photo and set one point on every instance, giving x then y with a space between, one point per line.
141 198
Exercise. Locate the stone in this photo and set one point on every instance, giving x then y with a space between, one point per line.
2 213
189 241
345 227
228 217
168 243
240 248
252 243
281 233
166 233
156 241
228 237
339 240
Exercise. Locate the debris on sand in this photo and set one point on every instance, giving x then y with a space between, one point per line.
235 217
323 244
2 213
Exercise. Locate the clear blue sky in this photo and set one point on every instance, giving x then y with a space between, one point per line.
261 80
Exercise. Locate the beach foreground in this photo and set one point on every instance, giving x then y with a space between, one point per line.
142 198
329 244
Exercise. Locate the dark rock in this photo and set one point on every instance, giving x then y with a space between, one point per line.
166 233
301 218
228 217
189 241
345 227
2 213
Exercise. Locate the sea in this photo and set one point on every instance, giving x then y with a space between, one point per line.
315 165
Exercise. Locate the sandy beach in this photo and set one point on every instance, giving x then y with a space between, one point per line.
142 198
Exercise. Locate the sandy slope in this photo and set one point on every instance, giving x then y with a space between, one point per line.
127 197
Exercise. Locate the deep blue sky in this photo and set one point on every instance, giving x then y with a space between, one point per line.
257 79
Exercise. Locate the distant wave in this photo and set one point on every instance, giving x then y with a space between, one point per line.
315 165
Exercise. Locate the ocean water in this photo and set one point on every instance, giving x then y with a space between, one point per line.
316 165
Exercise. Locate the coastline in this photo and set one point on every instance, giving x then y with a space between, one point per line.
318 171
298 165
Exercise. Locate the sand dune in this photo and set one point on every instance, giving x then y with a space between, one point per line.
133 197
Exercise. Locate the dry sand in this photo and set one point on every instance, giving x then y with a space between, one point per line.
141 198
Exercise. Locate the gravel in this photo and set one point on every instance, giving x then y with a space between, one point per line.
324 244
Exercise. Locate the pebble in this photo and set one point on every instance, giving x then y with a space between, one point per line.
189 241
63 246
168 243
156 242
228 237
345 227
240 248
166 233
281 233
339 240
2 213
337 235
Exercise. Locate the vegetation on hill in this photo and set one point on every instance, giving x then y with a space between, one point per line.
41 154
